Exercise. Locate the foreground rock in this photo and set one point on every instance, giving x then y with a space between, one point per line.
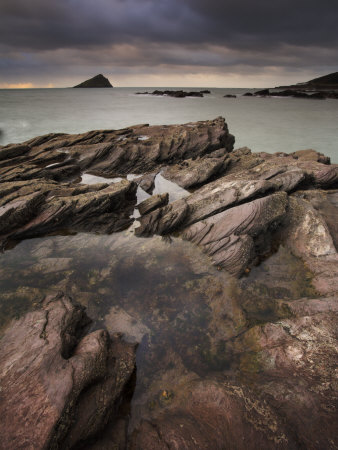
229 237
211 414
250 366
39 185
152 203
38 207
59 385
99 81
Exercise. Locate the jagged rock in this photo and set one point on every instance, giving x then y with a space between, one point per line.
55 207
151 203
13 151
58 386
99 81
289 180
267 329
308 236
206 201
295 357
326 203
228 237
147 182
20 211
139 149
196 172
311 155
326 177
306 231
163 220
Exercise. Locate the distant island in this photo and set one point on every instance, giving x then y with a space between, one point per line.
99 81
329 81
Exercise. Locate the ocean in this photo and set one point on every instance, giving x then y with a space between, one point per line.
262 124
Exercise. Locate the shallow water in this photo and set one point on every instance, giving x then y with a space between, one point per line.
162 293
262 124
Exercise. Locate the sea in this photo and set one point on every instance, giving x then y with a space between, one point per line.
262 124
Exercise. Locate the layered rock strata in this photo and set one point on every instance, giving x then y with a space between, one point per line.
61 386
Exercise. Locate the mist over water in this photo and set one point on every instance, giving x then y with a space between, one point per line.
262 124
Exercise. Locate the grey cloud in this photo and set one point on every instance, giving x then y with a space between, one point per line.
45 34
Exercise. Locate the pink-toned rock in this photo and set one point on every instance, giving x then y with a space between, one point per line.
212 414
228 237
51 377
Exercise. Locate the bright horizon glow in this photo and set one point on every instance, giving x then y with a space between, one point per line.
267 79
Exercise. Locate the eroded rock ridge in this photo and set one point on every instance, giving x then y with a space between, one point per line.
63 386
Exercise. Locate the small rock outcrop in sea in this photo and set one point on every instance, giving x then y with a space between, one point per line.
99 81
267 216
176 94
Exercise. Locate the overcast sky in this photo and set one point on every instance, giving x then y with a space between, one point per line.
229 43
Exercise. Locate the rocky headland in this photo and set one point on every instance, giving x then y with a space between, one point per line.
296 93
99 81
326 82
236 321
319 88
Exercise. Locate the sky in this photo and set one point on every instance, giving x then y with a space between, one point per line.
197 43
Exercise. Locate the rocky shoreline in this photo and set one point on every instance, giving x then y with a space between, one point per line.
313 94
261 230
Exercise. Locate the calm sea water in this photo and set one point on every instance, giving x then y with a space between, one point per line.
263 124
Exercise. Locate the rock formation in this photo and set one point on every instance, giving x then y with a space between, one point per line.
329 81
258 369
99 81
176 94
59 386
296 93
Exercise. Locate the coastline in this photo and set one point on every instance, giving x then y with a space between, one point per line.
229 290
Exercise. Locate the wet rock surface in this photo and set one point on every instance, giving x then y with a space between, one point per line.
229 290
59 384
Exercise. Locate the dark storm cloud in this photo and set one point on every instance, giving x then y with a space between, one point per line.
45 34
236 23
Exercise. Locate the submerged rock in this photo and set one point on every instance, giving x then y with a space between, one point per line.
212 414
